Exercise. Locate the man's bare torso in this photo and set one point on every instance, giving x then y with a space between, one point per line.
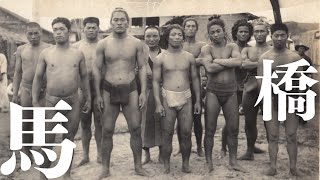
29 60
176 70
120 57
89 52
254 53
62 70
193 48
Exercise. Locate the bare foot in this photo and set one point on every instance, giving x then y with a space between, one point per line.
99 160
237 167
257 150
83 162
146 160
160 159
105 173
166 169
247 157
210 167
296 172
270 172
223 153
142 172
186 169
200 152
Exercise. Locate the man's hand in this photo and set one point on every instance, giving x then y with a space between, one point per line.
160 110
36 104
99 103
199 61
87 107
15 99
142 100
197 108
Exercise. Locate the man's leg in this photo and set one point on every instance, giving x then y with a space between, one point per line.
86 133
97 130
223 151
250 113
197 128
291 125
167 126
231 114
133 116
272 128
212 110
185 121
108 120
26 101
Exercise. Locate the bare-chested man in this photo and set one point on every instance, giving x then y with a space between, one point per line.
176 66
280 55
250 57
88 47
120 53
63 65
219 60
26 62
193 46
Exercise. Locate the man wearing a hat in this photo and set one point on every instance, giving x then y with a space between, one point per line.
301 49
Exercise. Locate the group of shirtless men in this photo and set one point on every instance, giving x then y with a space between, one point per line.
98 77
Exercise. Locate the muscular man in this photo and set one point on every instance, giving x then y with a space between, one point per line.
193 46
176 66
151 124
280 55
219 60
88 47
26 62
120 53
250 57
63 65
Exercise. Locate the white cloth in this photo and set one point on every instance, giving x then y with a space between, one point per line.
176 99
4 99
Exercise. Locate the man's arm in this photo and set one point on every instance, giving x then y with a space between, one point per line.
195 75
3 65
142 59
260 69
234 60
96 68
246 62
156 74
38 77
205 59
84 78
17 73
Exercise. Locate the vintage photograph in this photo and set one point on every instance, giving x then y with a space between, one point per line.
159 89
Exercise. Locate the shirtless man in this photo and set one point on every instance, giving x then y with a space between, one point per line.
280 55
193 46
26 62
219 60
88 48
250 57
120 53
63 65
175 66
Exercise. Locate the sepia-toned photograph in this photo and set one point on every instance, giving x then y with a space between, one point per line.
159 89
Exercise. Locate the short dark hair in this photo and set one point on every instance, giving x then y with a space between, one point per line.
237 24
168 30
279 26
215 20
33 24
119 9
190 19
62 20
91 20
152 27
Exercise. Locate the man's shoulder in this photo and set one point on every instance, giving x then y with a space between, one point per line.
232 45
292 55
187 54
22 47
267 54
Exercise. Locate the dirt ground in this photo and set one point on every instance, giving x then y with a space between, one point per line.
122 160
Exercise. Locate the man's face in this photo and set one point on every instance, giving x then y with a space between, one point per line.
260 33
119 22
243 33
175 38
91 31
301 50
33 35
60 33
216 34
190 29
152 37
279 39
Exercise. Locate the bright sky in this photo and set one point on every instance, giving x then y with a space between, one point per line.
308 12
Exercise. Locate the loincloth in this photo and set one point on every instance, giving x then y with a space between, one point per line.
176 99
69 99
223 91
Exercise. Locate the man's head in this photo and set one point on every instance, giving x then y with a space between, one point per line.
61 29
119 20
242 31
216 29
190 26
174 35
91 27
279 35
152 36
33 33
260 31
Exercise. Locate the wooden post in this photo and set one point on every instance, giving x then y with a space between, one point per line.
276 11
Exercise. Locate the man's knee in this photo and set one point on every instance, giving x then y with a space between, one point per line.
107 132
135 131
291 137
232 130
209 132
273 138
86 124
185 133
